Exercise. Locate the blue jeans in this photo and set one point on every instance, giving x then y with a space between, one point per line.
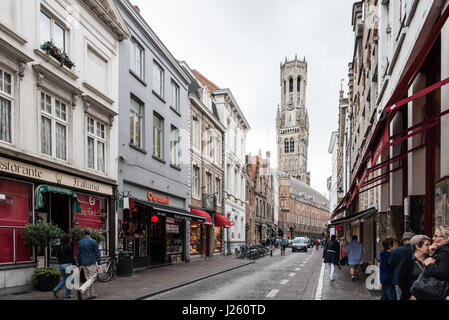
388 293
398 292
65 275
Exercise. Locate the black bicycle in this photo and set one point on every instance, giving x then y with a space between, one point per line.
108 268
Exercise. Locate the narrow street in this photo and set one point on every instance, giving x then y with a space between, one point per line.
292 276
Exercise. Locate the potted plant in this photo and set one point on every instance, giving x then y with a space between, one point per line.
45 279
51 49
42 234
77 234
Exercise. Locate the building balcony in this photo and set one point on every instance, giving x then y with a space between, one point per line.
210 202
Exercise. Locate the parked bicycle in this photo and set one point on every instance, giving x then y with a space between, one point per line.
108 268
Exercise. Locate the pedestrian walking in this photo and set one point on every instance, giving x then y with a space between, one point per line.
331 255
66 260
386 273
413 266
88 259
317 244
343 244
398 256
356 252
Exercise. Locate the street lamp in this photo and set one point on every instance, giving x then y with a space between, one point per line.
340 193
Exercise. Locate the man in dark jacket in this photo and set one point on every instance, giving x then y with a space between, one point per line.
386 273
89 259
398 256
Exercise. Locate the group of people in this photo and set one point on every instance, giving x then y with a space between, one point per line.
334 250
88 260
400 267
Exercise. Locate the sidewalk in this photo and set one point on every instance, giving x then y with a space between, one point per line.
149 282
343 288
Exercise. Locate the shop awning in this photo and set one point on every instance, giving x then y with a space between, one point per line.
171 211
202 214
358 216
222 221
46 188
381 139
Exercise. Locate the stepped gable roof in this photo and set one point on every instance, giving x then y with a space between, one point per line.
299 188
209 84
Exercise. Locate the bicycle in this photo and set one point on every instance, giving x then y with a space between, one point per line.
108 268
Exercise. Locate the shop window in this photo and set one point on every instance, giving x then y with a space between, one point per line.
135 231
174 237
195 239
14 216
218 239
94 215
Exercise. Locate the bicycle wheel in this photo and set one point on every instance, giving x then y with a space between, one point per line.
105 274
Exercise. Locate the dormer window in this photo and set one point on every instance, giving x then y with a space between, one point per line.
207 98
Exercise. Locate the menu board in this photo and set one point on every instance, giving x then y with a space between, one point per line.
142 247
130 245
172 228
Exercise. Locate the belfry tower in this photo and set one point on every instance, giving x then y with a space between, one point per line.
292 121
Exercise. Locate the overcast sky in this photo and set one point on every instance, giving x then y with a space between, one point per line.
239 44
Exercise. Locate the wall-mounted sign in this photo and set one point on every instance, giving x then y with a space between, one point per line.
34 172
155 198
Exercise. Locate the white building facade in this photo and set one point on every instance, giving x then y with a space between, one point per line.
58 140
237 129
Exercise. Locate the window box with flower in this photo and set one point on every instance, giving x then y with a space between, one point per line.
51 49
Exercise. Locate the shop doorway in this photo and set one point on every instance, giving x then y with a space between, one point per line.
157 242
60 211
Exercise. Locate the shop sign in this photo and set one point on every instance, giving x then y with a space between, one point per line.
172 228
155 198
34 172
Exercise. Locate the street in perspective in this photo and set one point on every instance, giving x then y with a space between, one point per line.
247 151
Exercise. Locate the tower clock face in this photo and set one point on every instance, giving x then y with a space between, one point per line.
290 106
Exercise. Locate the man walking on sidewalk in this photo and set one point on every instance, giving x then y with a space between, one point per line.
398 256
356 252
89 259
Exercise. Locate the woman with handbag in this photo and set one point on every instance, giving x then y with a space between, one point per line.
437 265
411 268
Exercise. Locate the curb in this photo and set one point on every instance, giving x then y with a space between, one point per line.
154 293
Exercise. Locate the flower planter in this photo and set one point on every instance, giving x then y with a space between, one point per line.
46 283
50 49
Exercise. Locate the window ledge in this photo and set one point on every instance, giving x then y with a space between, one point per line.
158 159
175 167
73 73
175 111
138 77
157 95
137 148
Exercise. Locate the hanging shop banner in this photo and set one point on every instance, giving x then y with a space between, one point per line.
93 212
42 174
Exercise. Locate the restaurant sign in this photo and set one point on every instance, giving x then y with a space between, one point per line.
50 176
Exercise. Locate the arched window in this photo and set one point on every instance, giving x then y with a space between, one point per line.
290 85
285 87
292 145
298 84
286 146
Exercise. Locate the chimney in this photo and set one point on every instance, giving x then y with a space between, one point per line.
137 9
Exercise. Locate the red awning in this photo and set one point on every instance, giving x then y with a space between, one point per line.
201 213
222 221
